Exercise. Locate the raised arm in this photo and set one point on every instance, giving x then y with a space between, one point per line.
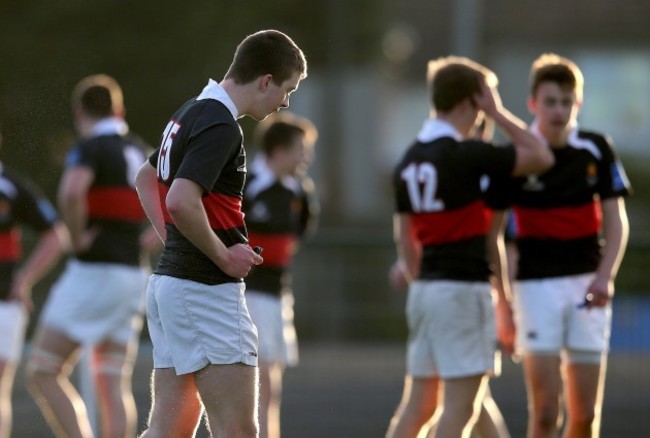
533 155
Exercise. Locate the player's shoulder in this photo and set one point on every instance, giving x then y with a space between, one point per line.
600 139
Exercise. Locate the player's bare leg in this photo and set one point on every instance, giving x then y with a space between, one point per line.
490 423
175 405
230 397
463 398
417 407
51 361
113 367
585 385
270 399
544 386
7 373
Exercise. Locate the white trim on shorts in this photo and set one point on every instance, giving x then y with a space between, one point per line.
452 330
95 302
549 317
13 322
193 325
273 317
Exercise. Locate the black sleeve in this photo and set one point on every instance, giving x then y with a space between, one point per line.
32 208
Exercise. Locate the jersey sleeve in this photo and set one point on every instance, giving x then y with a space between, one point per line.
83 154
612 181
208 152
33 208
488 159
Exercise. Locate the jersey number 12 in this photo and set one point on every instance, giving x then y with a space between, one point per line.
422 184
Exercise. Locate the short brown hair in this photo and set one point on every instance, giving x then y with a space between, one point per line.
99 96
267 52
550 67
278 130
453 79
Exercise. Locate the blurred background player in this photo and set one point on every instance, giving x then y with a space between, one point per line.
98 300
280 209
441 229
571 235
192 189
21 204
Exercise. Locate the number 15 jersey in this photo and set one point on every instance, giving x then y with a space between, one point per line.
440 183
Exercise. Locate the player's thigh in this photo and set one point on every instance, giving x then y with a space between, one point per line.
583 385
176 405
543 378
228 391
421 394
51 349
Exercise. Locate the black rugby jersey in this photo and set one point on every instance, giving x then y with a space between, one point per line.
439 183
558 214
114 156
21 203
278 212
203 143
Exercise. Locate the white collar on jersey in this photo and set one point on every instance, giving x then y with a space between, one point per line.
215 91
264 177
573 140
433 129
110 126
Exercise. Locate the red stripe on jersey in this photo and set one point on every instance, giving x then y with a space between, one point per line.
224 212
278 248
115 203
162 193
559 223
452 226
10 248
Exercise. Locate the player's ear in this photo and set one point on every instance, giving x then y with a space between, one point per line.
265 81
532 104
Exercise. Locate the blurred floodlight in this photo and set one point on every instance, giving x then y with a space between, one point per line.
399 43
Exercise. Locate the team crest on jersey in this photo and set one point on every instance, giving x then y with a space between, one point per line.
260 212
592 174
533 184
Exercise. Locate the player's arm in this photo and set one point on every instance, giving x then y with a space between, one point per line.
146 184
42 258
186 209
73 189
533 156
615 231
409 251
499 261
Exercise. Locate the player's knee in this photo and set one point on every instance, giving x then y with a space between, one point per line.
583 419
113 364
547 417
42 366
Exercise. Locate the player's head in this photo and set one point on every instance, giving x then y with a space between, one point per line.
452 80
98 96
267 52
287 140
274 63
556 85
556 69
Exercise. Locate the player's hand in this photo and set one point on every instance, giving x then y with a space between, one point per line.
84 241
241 258
397 276
21 291
599 292
488 100
506 329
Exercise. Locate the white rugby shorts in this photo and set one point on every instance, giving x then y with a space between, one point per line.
193 325
13 322
549 316
95 302
452 330
273 317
